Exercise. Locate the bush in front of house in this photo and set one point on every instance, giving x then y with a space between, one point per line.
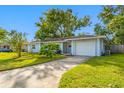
49 49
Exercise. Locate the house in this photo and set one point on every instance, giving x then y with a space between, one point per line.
4 46
25 47
83 46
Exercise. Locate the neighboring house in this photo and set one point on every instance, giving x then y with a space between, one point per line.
84 46
4 46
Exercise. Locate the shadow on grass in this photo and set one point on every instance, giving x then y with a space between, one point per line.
23 77
16 59
14 63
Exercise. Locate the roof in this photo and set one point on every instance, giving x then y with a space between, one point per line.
67 39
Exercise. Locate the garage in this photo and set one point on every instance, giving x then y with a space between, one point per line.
86 47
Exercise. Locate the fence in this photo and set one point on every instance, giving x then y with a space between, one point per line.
117 49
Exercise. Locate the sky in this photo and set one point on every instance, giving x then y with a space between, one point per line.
23 18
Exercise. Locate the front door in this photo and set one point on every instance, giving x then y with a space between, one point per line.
67 47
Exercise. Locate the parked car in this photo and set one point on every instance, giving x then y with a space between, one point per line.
5 50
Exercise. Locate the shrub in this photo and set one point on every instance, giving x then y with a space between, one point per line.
49 49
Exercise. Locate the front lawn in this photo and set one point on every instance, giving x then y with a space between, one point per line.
98 72
10 60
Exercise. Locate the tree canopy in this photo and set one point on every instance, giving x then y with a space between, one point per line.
59 23
110 11
3 34
111 23
16 40
117 26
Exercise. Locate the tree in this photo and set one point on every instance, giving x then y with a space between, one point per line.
3 34
49 49
117 26
59 23
102 30
16 40
107 17
81 34
106 14
110 11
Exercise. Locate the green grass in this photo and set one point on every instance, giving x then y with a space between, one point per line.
98 72
10 61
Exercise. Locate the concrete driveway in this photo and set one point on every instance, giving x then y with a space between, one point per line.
46 75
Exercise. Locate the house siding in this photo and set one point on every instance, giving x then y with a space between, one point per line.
61 47
73 48
98 51
102 46
37 48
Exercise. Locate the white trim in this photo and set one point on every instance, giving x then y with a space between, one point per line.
98 47
98 37
65 40
61 47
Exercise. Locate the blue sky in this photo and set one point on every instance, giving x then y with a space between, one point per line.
23 18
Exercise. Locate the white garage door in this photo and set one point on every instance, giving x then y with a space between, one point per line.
85 47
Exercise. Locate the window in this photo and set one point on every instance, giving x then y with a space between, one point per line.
33 46
4 46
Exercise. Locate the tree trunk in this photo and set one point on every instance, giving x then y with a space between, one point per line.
19 52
